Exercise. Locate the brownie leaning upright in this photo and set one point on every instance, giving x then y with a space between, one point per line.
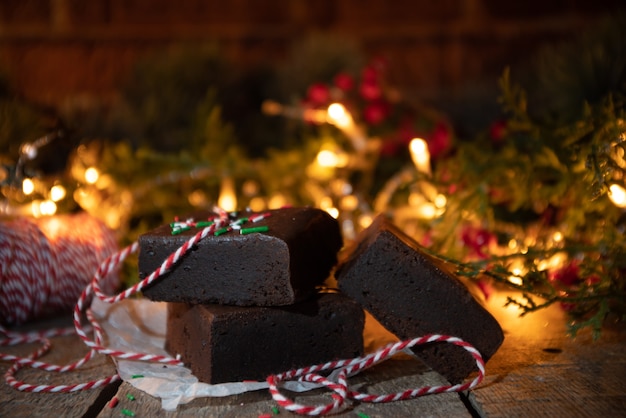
412 294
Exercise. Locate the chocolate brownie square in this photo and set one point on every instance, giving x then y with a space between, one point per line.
233 343
287 253
412 294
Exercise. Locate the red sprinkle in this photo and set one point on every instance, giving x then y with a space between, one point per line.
113 402
265 416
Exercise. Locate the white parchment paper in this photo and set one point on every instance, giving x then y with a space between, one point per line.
138 326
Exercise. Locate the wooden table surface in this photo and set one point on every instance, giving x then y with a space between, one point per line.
538 371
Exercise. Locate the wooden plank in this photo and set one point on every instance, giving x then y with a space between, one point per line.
64 350
391 376
541 371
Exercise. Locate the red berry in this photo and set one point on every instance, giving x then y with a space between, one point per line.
344 81
370 90
318 94
375 113
497 130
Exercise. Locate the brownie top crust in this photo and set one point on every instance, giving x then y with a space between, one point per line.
272 258
412 293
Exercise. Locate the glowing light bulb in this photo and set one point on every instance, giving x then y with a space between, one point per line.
44 208
420 155
339 116
617 194
257 204
349 203
327 158
277 201
57 192
227 199
365 221
325 202
440 201
28 187
92 175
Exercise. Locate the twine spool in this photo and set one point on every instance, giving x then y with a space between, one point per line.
45 263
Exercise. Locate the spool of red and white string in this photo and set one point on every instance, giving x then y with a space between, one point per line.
46 262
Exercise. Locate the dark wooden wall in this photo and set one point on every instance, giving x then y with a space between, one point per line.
54 49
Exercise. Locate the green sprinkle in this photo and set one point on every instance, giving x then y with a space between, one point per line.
244 231
362 415
179 229
130 397
136 376
275 410
221 231
202 224
128 412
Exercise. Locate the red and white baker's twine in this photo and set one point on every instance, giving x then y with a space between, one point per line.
346 368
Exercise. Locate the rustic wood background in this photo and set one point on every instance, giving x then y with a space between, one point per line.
55 49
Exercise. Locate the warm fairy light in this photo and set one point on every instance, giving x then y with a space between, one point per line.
112 219
277 201
440 201
557 236
513 244
517 271
250 188
198 198
29 150
227 199
365 221
420 155
328 158
91 175
416 199
28 187
325 202
57 192
349 203
516 279
332 211
555 262
617 194
426 210
257 204
43 208
339 116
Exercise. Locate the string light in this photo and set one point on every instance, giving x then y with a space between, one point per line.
43 208
339 116
227 199
92 175
420 155
617 194
57 192
28 187
328 158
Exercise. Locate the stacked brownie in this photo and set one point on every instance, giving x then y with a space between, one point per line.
242 303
